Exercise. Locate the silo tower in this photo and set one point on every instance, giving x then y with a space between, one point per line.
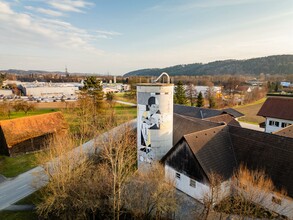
154 120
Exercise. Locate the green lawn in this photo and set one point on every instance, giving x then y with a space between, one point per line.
18 215
22 114
250 111
13 166
123 97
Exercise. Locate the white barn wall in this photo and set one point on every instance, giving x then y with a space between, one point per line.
265 199
270 129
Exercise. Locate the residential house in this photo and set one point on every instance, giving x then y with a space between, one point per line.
278 112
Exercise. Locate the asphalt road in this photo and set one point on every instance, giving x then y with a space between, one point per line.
15 189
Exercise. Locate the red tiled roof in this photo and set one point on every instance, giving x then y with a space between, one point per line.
277 107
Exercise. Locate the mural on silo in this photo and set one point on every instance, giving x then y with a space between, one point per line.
150 120
154 122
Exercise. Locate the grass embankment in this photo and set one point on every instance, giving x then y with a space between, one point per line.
250 111
13 166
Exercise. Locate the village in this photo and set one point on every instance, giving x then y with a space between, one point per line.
205 153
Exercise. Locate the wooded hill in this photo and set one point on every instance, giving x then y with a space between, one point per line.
279 64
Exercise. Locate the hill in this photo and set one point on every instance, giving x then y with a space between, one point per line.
278 64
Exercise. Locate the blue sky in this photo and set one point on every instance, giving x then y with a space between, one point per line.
117 36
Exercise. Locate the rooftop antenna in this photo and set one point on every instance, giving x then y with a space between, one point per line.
163 74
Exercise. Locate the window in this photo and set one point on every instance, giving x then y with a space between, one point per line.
274 123
285 124
276 200
192 183
178 176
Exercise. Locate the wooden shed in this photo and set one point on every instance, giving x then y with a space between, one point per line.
27 134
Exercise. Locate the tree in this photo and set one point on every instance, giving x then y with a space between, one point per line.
149 195
23 106
6 108
94 88
200 100
2 78
77 187
179 95
191 93
119 153
211 197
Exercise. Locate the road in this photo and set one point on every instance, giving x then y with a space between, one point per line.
125 103
15 189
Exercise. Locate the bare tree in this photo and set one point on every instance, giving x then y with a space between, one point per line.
119 153
77 186
149 195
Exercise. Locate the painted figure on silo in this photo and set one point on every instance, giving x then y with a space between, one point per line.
151 120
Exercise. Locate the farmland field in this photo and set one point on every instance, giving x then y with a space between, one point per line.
250 111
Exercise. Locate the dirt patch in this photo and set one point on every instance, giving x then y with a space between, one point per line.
55 104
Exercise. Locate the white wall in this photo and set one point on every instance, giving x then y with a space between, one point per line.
5 92
47 91
265 199
183 184
272 128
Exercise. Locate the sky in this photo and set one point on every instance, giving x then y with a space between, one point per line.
117 36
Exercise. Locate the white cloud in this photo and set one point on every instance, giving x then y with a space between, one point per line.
106 34
45 11
70 5
42 32
5 8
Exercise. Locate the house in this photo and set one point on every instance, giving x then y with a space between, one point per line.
27 134
220 149
278 112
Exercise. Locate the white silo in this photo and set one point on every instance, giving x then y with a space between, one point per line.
154 120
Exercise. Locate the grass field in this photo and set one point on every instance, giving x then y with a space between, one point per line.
13 166
250 111
124 98
18 215
31 113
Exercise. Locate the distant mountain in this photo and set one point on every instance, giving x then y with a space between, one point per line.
279 64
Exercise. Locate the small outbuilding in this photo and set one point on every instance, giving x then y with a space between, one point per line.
22 135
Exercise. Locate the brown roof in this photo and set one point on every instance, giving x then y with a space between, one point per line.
21 129
183 125
286 132
277 107
212 149
228 119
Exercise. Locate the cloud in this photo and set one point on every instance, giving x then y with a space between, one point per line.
70 5
5 8
45 11
43 32
106 34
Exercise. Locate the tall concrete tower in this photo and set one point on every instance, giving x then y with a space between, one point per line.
154 120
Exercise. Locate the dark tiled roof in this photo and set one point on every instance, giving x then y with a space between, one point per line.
232 112
260 150
277 107
228 119
213 149
196 112
183 125
286 132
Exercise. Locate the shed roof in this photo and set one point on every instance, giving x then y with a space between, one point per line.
21 129
277 107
